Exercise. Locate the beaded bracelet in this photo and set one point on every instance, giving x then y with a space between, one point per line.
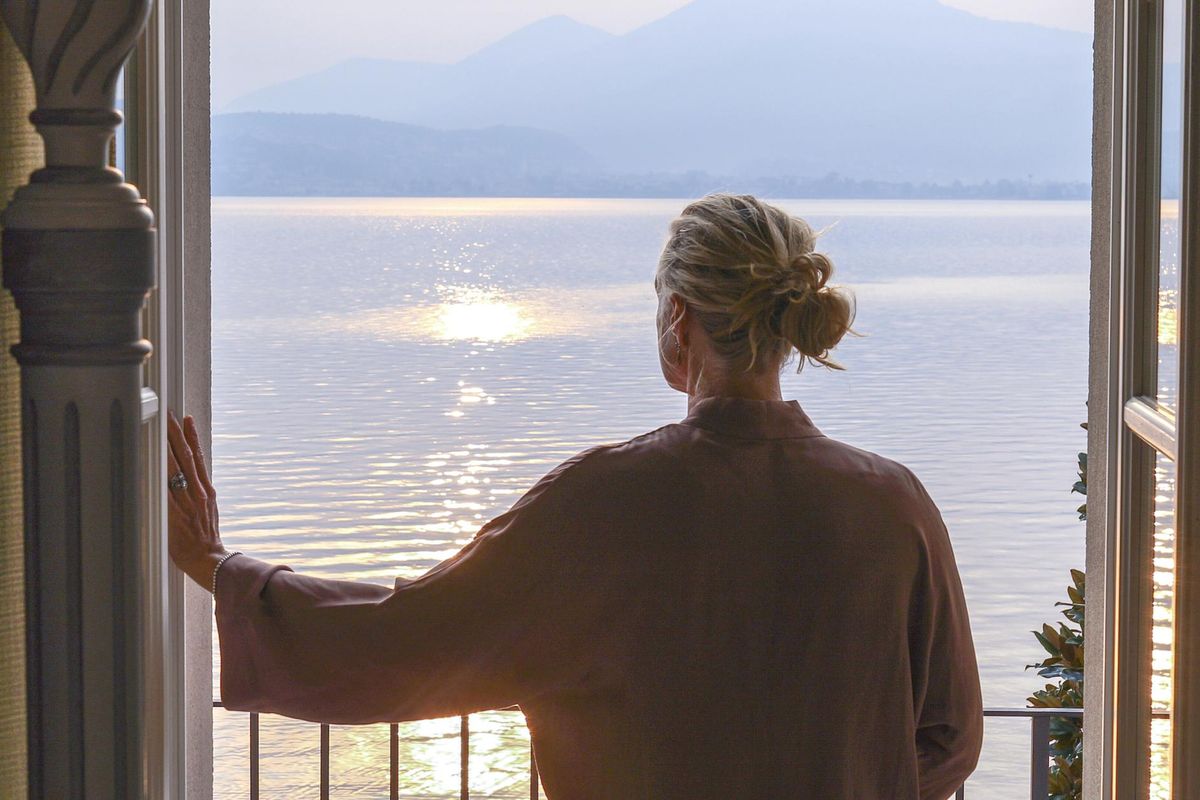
220 564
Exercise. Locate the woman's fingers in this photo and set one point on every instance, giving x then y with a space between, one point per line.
183 458
193 538
193 440
174 496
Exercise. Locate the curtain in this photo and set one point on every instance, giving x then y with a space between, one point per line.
20 154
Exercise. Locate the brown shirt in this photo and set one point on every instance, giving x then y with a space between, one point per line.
734 606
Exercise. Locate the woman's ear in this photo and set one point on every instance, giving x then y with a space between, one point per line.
680 318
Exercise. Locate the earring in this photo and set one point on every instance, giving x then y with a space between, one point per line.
678 350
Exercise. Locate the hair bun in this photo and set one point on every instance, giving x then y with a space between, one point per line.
752 275
817 324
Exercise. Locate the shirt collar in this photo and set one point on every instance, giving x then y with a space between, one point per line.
751 419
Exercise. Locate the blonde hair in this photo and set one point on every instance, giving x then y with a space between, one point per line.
751 275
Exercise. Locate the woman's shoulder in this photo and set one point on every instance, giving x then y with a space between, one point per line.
642 451
859 459
670 451
617 469
666 446
880 477
596 479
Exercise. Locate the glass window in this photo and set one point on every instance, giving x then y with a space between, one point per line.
1162 636
1170 188
1149 752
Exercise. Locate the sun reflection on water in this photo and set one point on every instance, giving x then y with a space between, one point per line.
489 316
482 321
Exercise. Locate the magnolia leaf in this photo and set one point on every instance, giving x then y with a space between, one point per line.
1050 648
1064 667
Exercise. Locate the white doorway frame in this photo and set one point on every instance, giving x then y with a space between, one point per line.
1128 428
167 158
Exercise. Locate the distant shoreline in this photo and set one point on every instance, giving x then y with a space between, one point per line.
619 198
833 208
815 190
338 155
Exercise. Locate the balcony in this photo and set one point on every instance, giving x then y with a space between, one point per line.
1039 753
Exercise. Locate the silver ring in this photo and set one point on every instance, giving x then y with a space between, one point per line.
178 482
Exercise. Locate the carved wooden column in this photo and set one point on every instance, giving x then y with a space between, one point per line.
79 260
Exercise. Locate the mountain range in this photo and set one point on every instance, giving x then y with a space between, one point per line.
269 154
883 90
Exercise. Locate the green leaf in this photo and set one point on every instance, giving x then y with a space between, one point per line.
1064 669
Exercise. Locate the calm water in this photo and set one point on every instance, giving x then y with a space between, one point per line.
389 374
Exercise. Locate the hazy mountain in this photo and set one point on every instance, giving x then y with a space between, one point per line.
336 155
331 154
544 41
895 90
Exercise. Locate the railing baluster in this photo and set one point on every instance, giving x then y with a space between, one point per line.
464 738
535 792
1039 780
253 756
394 760
324 761
1039 767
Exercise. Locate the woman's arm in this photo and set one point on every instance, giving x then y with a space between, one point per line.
946 692
483 630
517 612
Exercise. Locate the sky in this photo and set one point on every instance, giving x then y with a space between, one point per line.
257 43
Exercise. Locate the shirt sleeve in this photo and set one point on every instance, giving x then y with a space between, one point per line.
510 616
946 693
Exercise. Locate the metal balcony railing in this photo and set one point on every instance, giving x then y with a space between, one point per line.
1039 753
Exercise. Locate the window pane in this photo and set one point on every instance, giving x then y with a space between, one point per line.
1164 595
1172 179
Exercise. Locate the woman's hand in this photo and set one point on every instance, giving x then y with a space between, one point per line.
193 538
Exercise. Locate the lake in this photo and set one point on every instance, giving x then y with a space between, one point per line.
390 374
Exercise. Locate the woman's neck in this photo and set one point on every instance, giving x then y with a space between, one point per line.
747 386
